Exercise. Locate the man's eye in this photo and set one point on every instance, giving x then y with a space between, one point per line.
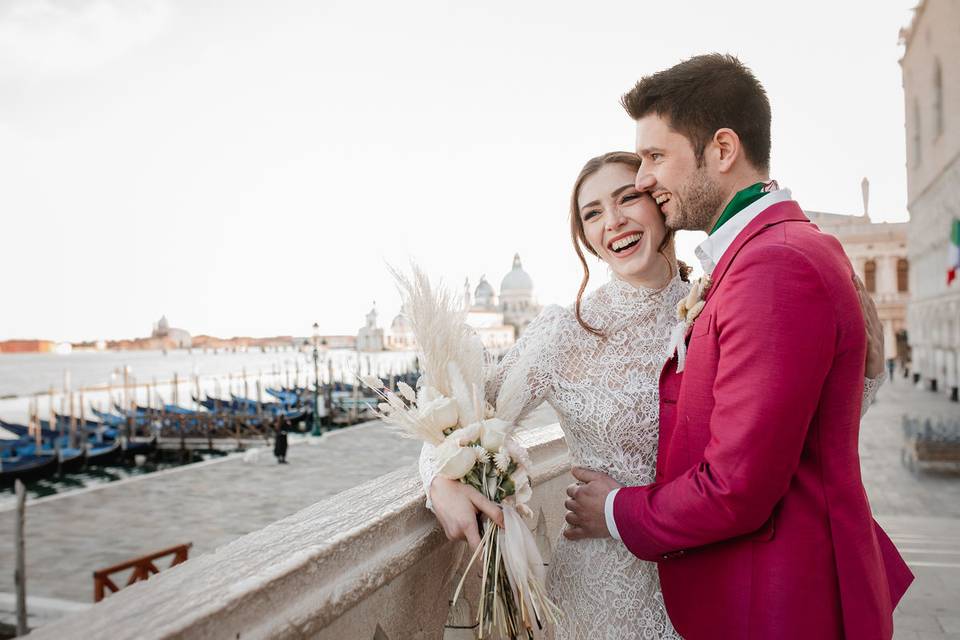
656 156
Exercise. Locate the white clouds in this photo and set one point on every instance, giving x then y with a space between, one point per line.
49 36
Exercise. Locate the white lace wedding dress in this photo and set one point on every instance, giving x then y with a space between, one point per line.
605 391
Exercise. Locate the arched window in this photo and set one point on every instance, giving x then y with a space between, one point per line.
903 275
870 276
937 99
917 138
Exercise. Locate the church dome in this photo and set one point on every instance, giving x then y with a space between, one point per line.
401 324
517 280
483 290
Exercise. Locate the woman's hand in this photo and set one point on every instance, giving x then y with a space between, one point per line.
875 350
456 505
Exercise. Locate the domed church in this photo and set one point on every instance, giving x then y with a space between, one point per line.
517 302
498 322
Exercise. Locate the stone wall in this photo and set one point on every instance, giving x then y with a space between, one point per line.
370 562
931 84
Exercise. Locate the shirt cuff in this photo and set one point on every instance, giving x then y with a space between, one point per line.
608 513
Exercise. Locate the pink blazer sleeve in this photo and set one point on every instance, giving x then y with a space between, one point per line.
776 328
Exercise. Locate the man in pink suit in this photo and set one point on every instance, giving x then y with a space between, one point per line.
758 517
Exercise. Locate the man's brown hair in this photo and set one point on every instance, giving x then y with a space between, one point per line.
703 94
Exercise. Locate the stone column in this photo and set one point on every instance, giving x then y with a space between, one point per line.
889 340
886 275
950 372
935 377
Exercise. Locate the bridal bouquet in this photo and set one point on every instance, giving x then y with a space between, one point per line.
474 444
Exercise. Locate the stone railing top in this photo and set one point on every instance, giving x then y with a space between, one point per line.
297 575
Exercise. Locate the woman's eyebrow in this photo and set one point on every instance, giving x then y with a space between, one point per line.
622 189
595 203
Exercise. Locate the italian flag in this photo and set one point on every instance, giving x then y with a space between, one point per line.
953 251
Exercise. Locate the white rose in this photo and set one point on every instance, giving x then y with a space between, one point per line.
469 433
493 433
455 461
441 413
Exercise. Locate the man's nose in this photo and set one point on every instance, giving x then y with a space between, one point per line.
645 181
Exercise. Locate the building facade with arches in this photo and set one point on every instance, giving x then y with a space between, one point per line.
931 87
878 253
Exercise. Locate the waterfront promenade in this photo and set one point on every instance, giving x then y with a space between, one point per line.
212 504
209 504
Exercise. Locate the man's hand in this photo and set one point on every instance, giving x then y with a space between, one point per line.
585 517
874 364
456 505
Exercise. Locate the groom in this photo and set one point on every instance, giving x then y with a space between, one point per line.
758 517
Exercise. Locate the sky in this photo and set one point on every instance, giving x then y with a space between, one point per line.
252 167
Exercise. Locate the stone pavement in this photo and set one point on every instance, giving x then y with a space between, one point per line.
920 512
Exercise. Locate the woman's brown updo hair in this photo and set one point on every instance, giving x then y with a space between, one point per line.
593 165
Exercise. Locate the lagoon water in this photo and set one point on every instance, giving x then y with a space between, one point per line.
25 375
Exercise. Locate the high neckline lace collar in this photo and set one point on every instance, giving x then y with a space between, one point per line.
621 287
618 304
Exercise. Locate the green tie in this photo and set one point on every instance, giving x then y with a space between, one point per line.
741 200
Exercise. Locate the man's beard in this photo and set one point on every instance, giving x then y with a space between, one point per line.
699 200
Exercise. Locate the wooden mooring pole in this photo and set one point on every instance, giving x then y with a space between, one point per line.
20 573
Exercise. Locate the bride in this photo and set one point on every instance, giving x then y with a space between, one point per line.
597 363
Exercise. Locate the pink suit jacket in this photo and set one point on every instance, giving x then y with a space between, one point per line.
758 517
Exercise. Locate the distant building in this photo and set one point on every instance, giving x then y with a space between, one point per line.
497 322
485 317
27 346
517 301
878 252
169 337
931 88
339 342
399 337
370 335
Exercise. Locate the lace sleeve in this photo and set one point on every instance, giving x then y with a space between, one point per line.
532 352
428 470
870 387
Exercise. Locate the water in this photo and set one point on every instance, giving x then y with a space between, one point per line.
23 375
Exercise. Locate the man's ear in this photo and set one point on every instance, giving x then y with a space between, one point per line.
726 149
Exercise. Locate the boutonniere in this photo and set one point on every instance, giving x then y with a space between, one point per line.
687 311
690 307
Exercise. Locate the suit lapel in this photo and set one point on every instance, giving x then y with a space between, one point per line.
788 211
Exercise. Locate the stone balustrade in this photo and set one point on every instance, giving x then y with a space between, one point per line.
370 562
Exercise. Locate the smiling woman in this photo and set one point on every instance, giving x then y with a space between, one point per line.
619 225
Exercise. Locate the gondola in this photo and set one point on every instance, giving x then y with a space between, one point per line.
71 460
27 468
109 419
105 454
287 397
139 448
23 430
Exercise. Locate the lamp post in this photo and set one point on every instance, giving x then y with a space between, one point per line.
316 380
